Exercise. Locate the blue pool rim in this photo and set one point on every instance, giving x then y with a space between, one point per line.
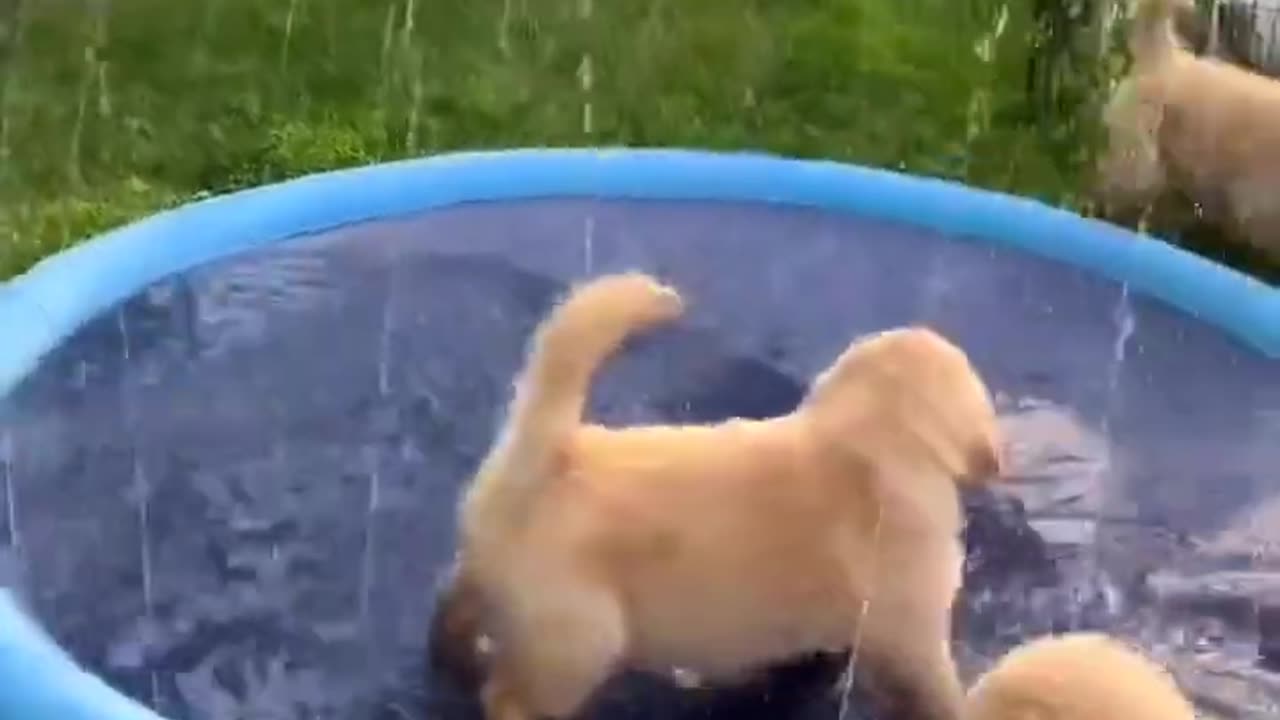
49 303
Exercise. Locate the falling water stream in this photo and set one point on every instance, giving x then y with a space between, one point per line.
139 494
1105 478
386 327
586 79
10 491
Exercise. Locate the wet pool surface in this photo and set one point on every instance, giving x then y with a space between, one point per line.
231 496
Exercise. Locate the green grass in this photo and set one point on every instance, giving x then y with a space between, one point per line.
111 110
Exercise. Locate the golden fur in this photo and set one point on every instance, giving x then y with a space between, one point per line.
1077 676
1197 126
718 549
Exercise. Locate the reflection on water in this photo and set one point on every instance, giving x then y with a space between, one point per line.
1197 600
1060 466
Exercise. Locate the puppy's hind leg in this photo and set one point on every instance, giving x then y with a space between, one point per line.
556 650
456 634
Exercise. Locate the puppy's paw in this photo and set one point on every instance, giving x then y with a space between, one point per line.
686 679
458 648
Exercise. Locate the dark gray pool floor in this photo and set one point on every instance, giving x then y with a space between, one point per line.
231 495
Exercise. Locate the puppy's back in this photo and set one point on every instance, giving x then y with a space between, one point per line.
1078 676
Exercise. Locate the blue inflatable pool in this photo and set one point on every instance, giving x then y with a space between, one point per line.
232 434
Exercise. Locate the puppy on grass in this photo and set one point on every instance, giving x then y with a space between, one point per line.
718 549
1196 127
1077 676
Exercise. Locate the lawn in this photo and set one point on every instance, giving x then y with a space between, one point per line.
112 109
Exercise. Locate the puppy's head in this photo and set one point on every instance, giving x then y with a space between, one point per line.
1076 676
910 391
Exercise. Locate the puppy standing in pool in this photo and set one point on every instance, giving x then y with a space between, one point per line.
717 549
1195 125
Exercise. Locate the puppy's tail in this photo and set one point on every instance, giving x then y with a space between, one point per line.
1153 35
568 347
551 391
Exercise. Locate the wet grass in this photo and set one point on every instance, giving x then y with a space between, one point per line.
112 109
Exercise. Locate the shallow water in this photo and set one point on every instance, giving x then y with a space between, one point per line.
232 495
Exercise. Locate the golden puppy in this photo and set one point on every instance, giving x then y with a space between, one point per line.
1197 126
1078 676
718 549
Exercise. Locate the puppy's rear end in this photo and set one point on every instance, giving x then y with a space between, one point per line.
544 416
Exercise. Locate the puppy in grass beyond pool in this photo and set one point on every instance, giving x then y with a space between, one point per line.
718 549
1078 676
1193 126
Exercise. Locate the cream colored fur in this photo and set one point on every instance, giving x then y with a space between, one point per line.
1077 676
1195 125
719 549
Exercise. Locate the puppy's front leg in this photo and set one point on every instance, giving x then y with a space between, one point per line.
905 661
912 686
500 698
